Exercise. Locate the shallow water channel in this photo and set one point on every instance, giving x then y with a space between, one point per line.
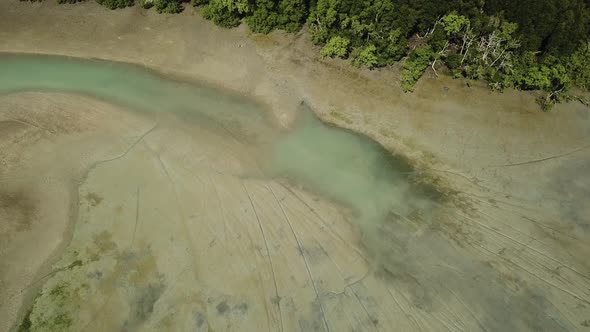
341 165
361 177
220 220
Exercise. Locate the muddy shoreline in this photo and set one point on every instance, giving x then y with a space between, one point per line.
518 189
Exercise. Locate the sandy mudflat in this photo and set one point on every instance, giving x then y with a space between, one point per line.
103 205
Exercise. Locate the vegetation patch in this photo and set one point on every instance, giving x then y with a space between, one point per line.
336 47
116 4
340 117
168 6
529 45
509 44
25 325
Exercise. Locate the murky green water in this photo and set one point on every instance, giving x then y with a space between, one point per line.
409 256
131 86
334 162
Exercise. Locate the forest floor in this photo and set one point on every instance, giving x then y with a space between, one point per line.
507 252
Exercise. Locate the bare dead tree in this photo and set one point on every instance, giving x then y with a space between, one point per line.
442 53
431 31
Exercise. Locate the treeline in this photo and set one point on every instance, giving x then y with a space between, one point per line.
525 44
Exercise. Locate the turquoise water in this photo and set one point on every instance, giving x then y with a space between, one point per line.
336 163
131 86
125 84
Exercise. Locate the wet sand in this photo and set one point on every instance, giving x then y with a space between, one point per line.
505 252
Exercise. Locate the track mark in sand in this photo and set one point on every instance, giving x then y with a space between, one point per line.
179 206
474 180
352 321
26 123
268 253
456 321
350 285
334 233
526 246
535 275
572 324
126 152
542 159
441 321
542 225
221 208
555 230
317 294
446 325
545 280
479 323
175 281
412 318
47 275
136 216
419 317
371 319
340 273
93 166
509 202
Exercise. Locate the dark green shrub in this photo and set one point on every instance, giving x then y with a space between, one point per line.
453 61
146 4
264 19
114 4
222 16
415 66
168 6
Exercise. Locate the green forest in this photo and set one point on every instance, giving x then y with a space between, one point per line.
525 44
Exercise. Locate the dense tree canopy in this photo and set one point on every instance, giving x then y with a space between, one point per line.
525 44
553 26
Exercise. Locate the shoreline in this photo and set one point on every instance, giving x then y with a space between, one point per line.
460 137
176 77
428 177
272 83
54 190
209 85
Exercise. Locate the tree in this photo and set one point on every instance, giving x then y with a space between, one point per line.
146 4
115 4
226 13
268 15
414 67
525 44
292 14
366 57
453 24
264 18
536 78
168 6
336 47
549 26
488 56
452 28
322 19
578 66
397 46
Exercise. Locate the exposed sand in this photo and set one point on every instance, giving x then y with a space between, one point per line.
508 253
